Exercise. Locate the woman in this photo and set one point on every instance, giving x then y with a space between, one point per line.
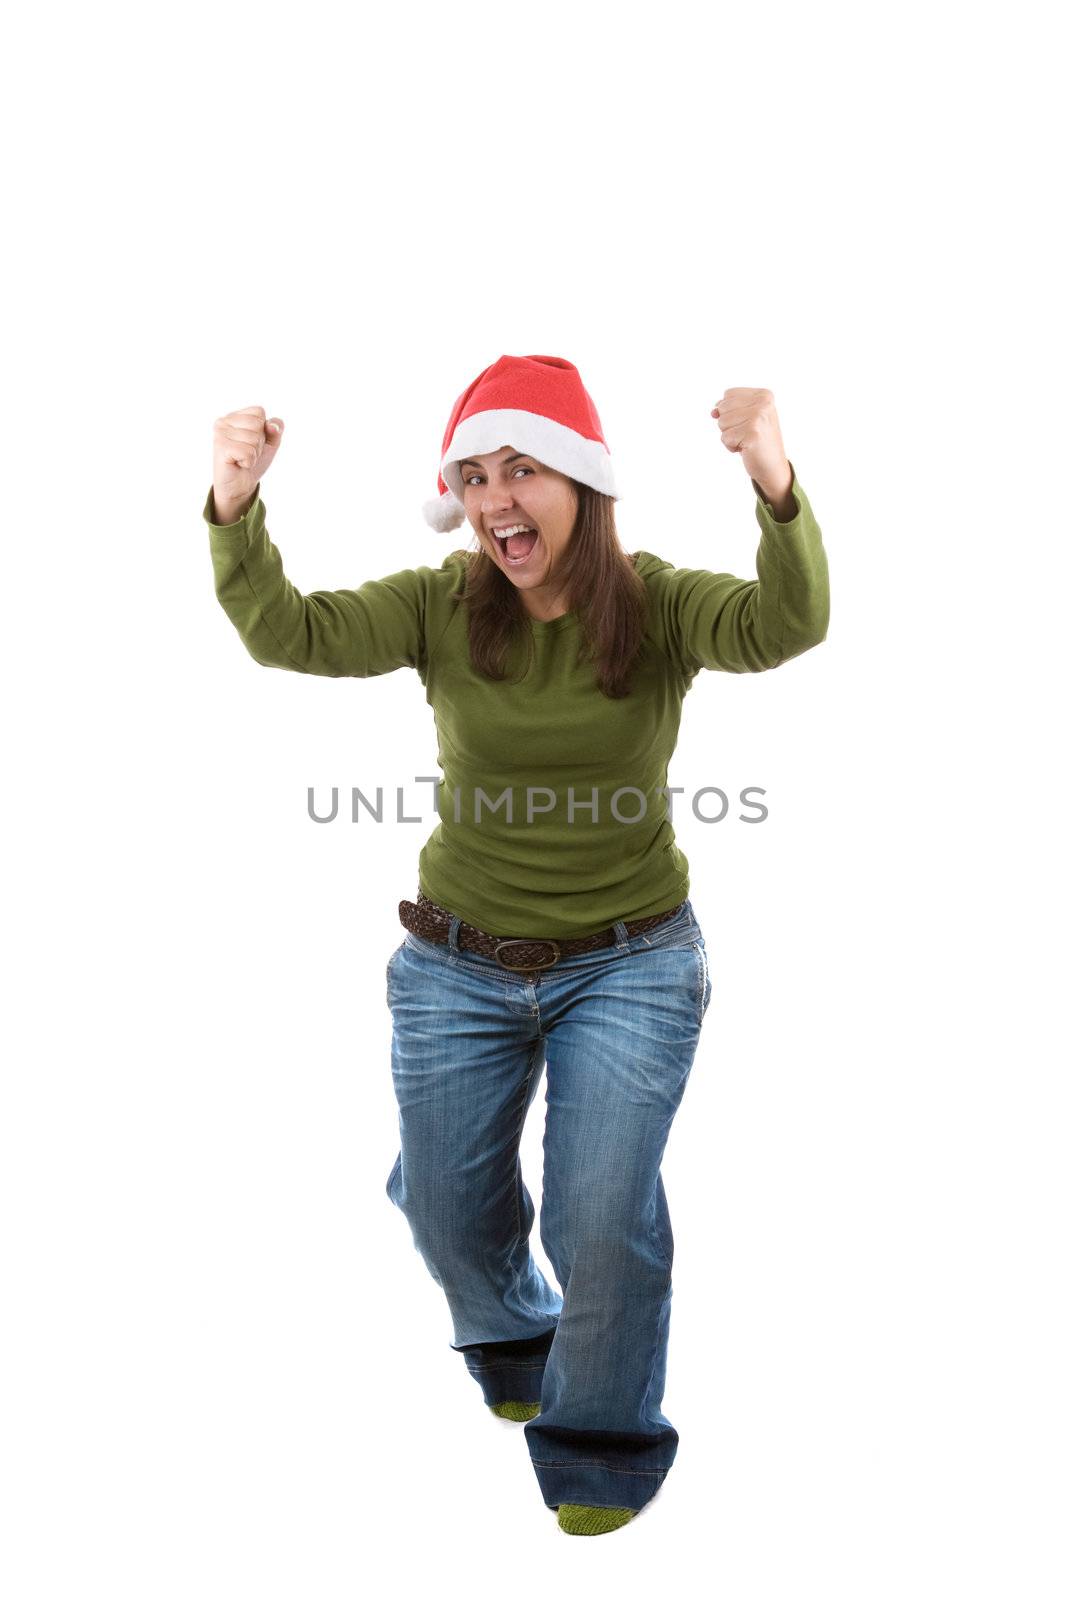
552 927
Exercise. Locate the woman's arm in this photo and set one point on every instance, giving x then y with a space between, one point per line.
729 624
357 633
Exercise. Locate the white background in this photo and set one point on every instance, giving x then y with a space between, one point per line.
226 1372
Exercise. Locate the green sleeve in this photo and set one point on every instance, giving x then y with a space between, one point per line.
357 633
728 624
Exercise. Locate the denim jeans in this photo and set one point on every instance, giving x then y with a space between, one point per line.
617 1030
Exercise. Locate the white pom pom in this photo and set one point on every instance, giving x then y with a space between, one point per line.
444 512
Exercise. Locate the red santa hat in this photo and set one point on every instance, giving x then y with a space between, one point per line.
536 404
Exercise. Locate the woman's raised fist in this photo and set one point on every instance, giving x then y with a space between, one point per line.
245 444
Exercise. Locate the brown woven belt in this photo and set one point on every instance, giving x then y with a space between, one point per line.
431 921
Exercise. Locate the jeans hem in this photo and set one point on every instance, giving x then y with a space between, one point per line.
520 1380
591 1483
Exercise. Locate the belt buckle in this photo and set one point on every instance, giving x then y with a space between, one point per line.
543 965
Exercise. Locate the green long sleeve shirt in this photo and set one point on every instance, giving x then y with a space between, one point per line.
553 820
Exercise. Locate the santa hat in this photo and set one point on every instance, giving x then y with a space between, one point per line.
537 404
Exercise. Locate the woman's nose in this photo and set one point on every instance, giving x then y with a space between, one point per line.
497 499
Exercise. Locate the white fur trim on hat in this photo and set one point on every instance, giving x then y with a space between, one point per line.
444 512
551 442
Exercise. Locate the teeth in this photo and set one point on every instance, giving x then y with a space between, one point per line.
518 527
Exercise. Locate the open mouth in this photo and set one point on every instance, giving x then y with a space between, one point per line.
517 547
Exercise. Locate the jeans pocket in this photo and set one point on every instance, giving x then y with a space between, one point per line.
704 978
390 964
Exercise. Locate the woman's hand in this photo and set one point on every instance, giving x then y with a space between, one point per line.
245 445
748 424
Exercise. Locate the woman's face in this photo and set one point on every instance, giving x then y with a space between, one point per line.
505 489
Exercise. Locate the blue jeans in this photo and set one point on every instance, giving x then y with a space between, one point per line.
617 1029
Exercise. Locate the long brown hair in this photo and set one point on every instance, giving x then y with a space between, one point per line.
599 580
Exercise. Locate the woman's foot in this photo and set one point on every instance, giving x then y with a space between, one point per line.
516 1410
593 1519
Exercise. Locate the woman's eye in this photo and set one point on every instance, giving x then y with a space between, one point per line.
476 477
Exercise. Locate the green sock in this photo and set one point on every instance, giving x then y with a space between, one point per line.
593 1519
516 1410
